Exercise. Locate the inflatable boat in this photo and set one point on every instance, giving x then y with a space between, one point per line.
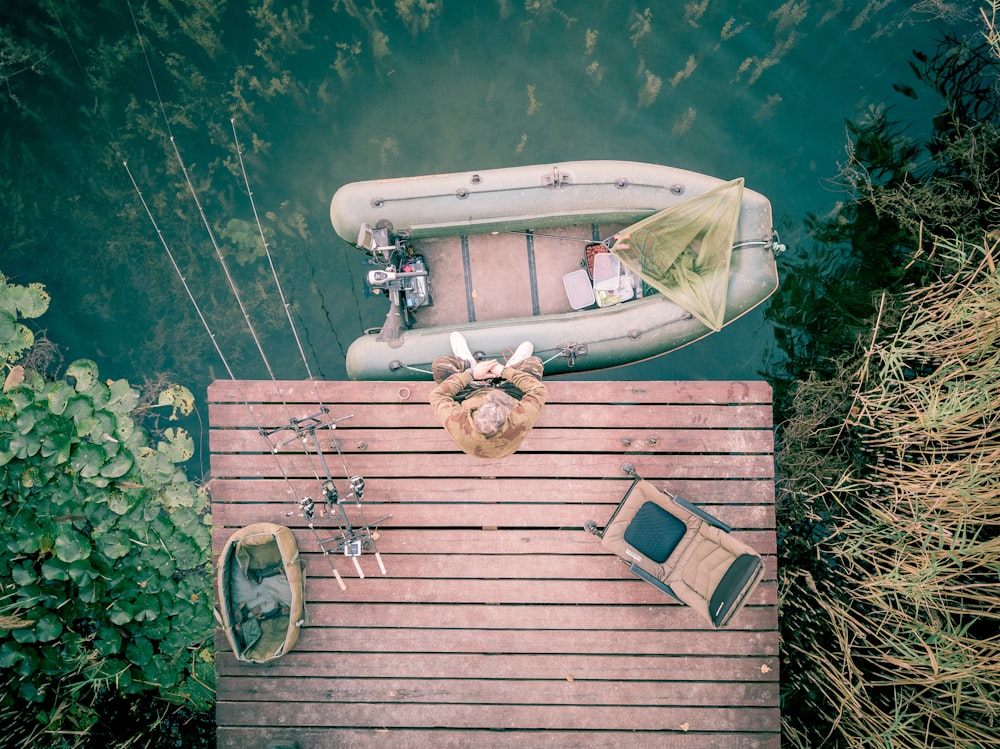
597 263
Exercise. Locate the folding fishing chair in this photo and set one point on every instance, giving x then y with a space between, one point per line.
681 550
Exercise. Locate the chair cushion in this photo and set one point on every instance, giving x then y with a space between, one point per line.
655 532
731 586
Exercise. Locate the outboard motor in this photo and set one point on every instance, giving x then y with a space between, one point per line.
402 276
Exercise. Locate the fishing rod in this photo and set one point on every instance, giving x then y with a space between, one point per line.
352 541
305 503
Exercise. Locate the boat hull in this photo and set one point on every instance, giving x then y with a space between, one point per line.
519 199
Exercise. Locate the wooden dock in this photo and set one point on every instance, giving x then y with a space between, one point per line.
500 621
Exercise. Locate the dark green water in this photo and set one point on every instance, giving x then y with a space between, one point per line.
325 93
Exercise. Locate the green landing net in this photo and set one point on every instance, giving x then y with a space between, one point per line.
684 251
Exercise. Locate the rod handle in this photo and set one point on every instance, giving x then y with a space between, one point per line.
357 566
378 558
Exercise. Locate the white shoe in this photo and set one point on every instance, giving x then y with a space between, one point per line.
461 349
521 353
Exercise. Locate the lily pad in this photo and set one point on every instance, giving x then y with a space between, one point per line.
123 397
179 398
84 373
29 301
118 465
114 545
72 546
178 446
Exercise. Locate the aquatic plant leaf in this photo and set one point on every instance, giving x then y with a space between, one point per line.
108 641
27 419
59 394
81 573
140 651
87 460
24 445
120 612
123 398
118 466
54 569
147 609
72 546
10 655
178 397
79 408
178 446
24 574
57 446
29 301
114 545
84 372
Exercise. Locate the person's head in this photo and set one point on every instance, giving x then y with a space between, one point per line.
492 413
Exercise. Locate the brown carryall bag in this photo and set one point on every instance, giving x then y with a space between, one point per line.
261 592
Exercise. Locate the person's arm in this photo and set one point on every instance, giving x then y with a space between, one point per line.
443 396
534 392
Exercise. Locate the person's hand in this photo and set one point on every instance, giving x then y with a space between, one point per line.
483 369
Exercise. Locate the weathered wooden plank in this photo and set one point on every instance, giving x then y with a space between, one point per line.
459 567
705 492
565 691
333 640
540 616
376 588
567 415
550 717
519 464
560 389
581 666
484 515
622 441
244 737
526 541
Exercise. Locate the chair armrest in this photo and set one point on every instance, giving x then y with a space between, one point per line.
659 584
628 492
707 517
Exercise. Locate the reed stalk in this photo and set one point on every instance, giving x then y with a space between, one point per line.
907 613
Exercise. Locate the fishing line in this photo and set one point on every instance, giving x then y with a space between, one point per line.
356 482
350 541
306 509
211 234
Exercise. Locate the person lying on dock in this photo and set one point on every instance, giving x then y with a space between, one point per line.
487 407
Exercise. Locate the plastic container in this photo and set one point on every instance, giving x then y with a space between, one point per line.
606 271
578 289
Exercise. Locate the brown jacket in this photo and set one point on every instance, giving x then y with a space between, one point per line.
456 418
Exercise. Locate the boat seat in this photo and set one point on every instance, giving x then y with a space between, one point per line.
375 241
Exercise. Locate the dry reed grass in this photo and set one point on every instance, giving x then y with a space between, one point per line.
910 609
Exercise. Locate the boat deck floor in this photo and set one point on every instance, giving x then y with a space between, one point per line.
500 622
482 277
